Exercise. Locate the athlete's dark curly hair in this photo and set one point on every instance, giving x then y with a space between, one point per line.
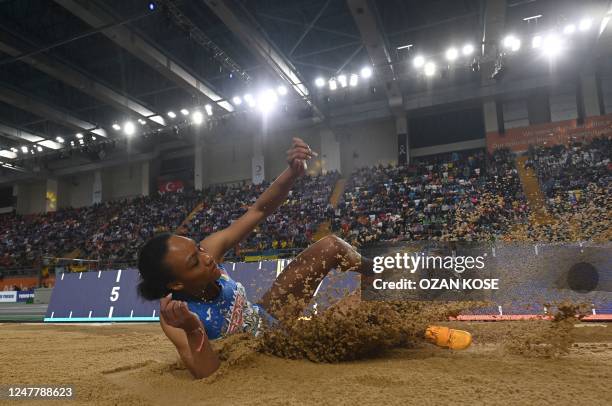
154 273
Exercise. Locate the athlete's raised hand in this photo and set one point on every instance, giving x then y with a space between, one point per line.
177 314
298 154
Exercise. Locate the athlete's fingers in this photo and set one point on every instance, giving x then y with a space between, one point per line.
163 302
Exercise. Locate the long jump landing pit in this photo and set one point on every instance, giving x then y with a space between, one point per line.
134 364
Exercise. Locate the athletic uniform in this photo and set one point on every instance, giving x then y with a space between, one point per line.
230 312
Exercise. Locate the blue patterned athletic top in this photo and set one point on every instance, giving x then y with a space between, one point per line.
230 312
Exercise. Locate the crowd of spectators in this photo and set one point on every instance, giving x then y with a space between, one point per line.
467 196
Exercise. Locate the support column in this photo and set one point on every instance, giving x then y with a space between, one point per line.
51 196
401 129
145 178
198 167
489 109
97 188
258 169
590 95
330 151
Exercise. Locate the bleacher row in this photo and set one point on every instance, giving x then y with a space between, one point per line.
467 195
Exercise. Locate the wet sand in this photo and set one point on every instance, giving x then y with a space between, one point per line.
135 364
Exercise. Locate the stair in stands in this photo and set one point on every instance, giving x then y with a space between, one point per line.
182 228
325 227
533 191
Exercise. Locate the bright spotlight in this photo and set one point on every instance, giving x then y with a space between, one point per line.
569 29
267 100
551 45
512 43
249 99
39 148
418 61
142 121
281 90
81 142
319 82
60 140
353 79
116 127
14 149
536 42
79 135
237 100
585 24
151 6
185 112
342 80
429 68
129 128
197 117
468 49
366 72
171 114
24 149
333 85
93 138
72 143
208 109
452 54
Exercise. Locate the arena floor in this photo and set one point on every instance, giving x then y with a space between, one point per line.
135 364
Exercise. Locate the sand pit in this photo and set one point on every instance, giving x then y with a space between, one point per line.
135 364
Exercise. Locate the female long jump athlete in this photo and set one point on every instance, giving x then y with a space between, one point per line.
200 302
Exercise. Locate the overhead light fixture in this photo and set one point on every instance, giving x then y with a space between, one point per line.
151 6
569 29
171 114
333 85
342 80
93 137
14 149
208 109
266 100
39 148
366 72
512 43
185 112
281 90
24 149
585 24
249 100
72 143
141 121
116 127
452 54
353 79
429 68
468 49
197 117
129 128
81 142
418 61
319 82
59 139
79 135
552 45
237 101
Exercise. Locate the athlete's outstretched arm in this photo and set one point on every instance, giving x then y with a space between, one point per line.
217 244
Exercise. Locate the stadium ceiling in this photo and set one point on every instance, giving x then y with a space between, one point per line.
70 66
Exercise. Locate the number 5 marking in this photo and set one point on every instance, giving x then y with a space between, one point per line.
115 294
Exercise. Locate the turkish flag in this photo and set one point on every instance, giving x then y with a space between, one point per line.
171 186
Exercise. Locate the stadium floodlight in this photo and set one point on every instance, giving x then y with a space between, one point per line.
281 90
171 114
14 149
24 149
197 117
585 24
342 80
333 85
536 42
142 121
237 100
72 143
366 72
512 43
353 80
569 29
452 54
551 45
39 148
79 135
249 99
129 128
81 142
418 61
319 82
468 49
266 100
208 109
116 127
429 68
185 112
93 138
